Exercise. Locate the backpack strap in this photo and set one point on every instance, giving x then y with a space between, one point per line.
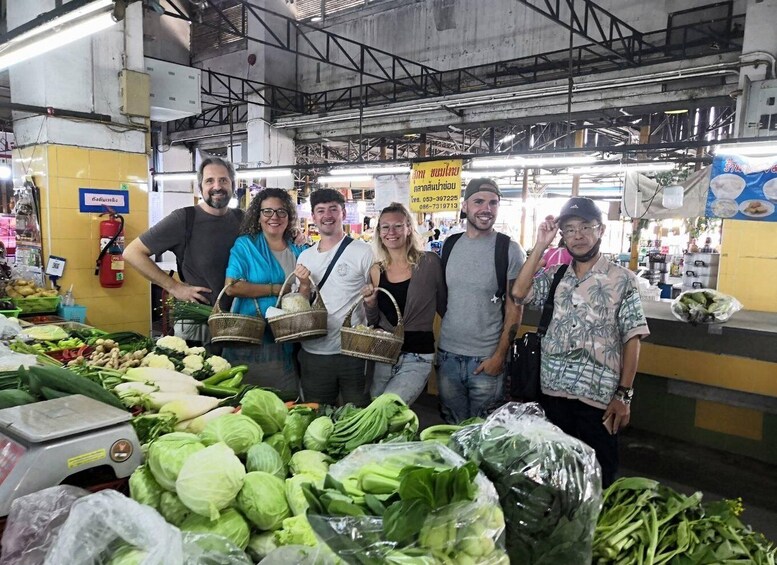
188 227
547 308
447 247
501 260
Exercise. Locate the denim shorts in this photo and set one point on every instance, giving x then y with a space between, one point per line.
407 378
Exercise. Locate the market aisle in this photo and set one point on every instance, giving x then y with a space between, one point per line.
685 468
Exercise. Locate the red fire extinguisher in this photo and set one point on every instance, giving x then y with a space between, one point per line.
110 261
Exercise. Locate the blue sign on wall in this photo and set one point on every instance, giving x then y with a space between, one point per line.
94 200
743 188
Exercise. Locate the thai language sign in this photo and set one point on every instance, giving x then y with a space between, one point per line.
435 186
95 200
743 188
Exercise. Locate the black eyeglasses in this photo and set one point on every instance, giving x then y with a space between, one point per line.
280 212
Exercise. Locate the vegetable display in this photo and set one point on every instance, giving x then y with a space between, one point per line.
704 306
549 483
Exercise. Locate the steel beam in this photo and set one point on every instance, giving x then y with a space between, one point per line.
592 22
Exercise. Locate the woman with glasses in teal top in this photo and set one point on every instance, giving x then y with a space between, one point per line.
263 256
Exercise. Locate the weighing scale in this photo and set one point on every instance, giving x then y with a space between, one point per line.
44 443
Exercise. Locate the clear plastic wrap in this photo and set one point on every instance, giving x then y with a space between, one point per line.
549 484
465 531
33 523
299 555
104 522
10 360
704 306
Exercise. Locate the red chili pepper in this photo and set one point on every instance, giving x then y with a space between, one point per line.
81 351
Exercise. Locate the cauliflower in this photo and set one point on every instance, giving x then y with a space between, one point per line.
195 351
192 364
217 364
157 361
171 345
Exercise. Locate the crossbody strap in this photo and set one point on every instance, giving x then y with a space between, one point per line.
547 308
347 241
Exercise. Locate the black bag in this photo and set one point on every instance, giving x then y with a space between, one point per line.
524 362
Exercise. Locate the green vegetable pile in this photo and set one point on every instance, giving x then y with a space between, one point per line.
407 503
645 522
705 306
549 483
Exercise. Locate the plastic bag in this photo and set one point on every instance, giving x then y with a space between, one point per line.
33 523
9 327
10 360
549 484
450 533
704 306
298 555
107 521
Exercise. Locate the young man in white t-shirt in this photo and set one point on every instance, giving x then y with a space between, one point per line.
325 373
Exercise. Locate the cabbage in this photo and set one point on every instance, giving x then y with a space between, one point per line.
167 454
317 435
298 504
279 444
144 488
172 509
294 302
127 555
297 422
263 457
209 480
263 500
266 409
239 432
309 462
260 545
296 531
230 524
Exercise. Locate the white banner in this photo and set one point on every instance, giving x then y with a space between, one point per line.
391 188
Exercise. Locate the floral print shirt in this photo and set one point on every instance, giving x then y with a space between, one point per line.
593 318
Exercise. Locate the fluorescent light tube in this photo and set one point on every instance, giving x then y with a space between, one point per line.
391 170
492 174
532 162
748 149
344 179
35 42
175 176
622 167
262 173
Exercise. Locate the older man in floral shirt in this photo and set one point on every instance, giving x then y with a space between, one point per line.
591 348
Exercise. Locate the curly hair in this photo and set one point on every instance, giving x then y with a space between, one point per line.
413 246
251 222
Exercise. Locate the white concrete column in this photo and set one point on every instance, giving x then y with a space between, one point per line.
81 76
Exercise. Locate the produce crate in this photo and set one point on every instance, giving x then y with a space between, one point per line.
37 305
11 313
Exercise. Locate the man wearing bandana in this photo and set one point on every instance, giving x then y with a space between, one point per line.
591 348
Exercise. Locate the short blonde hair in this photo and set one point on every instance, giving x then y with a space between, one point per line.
413 247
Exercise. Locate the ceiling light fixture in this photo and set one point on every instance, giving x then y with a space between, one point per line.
262 173
532 162
77 24
180 175
487 174
622 167
390 170
344 179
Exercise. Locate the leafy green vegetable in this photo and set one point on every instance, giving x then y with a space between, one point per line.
144 488
295 497
261 545
172 509
266 409
296 531
168 454
210 480
297 423
239 432
127 555
230 524
263 457
263 500
317 435
279 444
309 462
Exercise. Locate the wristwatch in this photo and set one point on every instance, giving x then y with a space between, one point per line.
624 394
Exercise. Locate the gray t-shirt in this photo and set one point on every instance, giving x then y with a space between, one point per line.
473 322
207 252
286 260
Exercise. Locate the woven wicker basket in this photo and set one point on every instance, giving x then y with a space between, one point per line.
370 344
226 326
299 326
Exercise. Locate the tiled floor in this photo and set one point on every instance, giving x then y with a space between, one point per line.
684 467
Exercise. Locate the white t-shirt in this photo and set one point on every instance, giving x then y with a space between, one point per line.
342 289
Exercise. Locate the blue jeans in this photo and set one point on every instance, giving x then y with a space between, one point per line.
462 393
406 378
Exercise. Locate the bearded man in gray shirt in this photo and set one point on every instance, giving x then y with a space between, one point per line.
475 333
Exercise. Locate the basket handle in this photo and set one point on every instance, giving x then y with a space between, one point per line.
400 322
217 308
317 301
